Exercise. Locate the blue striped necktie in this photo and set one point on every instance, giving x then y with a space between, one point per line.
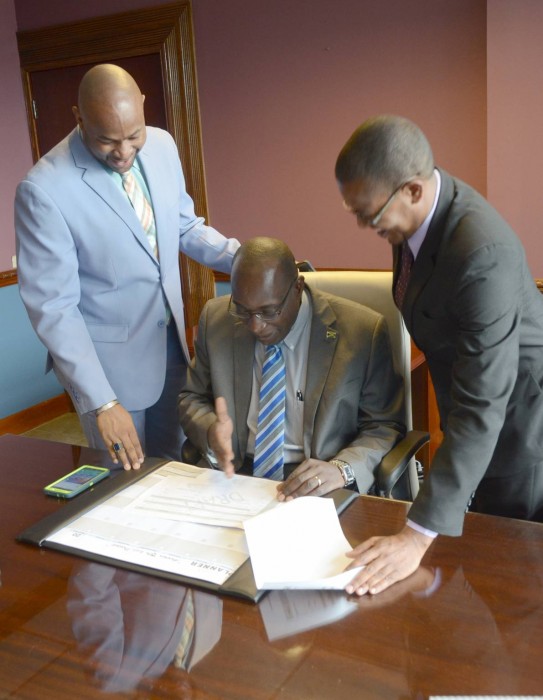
270 433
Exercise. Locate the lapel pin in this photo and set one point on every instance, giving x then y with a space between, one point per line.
331 334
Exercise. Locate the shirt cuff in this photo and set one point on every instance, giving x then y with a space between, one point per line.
422 530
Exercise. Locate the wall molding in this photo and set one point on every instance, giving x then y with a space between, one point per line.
8 277
31 417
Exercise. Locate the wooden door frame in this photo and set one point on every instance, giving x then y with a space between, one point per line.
165 30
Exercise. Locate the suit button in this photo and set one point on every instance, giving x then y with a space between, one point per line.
161 324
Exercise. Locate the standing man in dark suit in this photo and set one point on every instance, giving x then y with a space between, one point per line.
100 221
471 305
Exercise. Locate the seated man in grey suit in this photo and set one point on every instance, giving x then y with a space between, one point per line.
339 403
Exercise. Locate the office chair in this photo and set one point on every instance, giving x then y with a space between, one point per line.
396 475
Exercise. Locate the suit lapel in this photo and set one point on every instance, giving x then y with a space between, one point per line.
95 177
244 352
425 263
322 346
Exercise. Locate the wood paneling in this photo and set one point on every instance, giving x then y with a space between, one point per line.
466 623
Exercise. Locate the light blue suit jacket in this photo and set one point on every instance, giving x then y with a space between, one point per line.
95 293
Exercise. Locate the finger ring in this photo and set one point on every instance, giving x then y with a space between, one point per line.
319 482
117 446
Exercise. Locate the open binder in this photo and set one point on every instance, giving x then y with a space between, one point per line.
240 583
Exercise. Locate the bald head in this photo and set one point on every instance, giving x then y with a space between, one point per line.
110 115
106 84
263 257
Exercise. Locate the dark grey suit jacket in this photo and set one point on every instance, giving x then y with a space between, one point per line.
473 308
353 405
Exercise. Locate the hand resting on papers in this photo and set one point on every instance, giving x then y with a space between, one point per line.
386 560
312 477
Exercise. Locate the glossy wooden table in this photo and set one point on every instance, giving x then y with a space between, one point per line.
469 621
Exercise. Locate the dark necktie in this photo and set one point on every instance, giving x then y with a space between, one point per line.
406 262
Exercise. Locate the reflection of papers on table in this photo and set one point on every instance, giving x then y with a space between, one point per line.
169 521
299 544
285 613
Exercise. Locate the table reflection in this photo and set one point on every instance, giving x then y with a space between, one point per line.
131 627
488 627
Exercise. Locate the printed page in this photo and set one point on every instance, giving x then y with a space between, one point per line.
299 544
180 519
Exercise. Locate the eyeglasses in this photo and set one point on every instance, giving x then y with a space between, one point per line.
373 220
266 315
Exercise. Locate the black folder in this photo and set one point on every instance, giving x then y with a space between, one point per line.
241 583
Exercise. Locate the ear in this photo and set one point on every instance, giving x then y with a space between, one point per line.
77 115
415 189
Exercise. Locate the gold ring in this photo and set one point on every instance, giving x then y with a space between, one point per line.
319 482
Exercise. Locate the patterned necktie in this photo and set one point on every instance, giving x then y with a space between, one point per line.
141 207
270 432
406 263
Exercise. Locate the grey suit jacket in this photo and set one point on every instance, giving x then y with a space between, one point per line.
473 308
353 405
93 289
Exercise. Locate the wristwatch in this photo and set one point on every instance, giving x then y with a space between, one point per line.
346 471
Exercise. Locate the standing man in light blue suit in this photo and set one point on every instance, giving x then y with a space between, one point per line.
104 302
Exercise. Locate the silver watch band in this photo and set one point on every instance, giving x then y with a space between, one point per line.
346 471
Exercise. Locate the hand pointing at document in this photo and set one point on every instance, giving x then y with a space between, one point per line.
219 437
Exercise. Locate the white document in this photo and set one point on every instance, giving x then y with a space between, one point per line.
299 544
163 522
204 496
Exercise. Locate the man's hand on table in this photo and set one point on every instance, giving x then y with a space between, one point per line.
311 478
120 437
386 560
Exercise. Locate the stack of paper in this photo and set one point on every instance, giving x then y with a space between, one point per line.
299 544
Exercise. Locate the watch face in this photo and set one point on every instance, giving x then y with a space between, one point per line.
348 475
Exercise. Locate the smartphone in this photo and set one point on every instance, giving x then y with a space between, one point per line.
77 481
